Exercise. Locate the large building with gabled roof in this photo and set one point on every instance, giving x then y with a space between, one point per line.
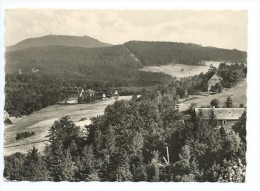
226 117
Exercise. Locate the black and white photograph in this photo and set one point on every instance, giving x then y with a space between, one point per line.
125 95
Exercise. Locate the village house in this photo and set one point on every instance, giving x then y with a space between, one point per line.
69 95
215 83
72 91
226 117
89 95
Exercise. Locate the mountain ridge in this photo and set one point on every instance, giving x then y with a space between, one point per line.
56 40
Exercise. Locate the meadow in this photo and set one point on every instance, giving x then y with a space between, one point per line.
40 122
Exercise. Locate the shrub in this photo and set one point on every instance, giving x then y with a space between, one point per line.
24 135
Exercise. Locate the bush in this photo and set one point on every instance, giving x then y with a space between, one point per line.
24 135
215 103
83 119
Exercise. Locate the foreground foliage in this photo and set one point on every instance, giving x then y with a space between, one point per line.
128 143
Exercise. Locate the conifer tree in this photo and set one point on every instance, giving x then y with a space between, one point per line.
229 102
35 167
58 156
153 168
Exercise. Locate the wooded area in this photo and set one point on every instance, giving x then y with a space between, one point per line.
162 53
129 143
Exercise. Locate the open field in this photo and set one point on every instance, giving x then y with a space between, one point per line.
41 121
182 70
237 94
177 70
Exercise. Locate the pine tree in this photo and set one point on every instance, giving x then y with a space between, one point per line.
62 136
153 168
35 167
212 120
86 165
119 166
229 102
240 127
14 167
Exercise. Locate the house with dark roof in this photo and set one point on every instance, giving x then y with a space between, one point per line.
215 83
89 95
71 92
226 117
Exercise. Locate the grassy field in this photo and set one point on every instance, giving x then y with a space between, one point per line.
237 94
42 120
181 70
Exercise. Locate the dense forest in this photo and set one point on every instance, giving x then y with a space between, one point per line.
162 53
129 143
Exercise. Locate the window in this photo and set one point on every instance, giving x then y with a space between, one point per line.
224 122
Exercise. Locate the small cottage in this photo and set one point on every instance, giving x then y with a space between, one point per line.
88 96
215 83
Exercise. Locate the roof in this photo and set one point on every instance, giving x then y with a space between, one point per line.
215 76
222 113
89 91
72 91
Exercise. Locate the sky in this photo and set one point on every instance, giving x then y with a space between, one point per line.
223 29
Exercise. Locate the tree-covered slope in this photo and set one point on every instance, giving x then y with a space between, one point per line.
113 63
161 53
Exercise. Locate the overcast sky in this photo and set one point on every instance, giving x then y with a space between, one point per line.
224 29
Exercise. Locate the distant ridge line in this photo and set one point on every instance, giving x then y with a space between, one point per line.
54 40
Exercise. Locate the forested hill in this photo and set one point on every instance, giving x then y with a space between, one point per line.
51 40
106 64
36 77
161 53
